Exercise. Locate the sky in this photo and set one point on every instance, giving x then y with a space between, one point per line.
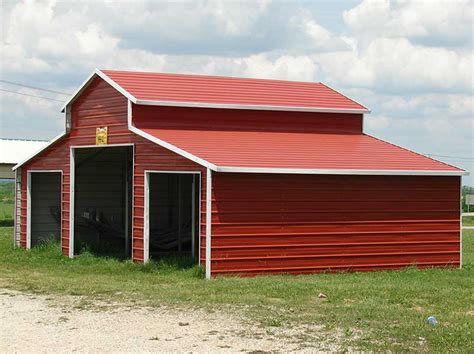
410 62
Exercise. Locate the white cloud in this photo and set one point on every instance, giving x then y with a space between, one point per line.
376 123
236 17
396 64
94 40
286 67
445 21
40 38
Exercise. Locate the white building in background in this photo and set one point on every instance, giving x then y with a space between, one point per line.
13 151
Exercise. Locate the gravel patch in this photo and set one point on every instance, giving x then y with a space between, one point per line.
41 324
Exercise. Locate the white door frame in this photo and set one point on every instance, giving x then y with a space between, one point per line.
28 203
146 214
72 181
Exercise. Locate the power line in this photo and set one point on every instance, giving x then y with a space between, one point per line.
452 157
27 94
35 87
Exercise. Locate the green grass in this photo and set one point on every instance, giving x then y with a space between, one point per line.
387 310
7 190
468 221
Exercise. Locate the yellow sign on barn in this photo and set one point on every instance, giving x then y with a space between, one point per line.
101 136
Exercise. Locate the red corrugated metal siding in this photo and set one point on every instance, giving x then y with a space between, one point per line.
54 158
301 224
101 105
275 223
245 120
304 150
149 156
228 90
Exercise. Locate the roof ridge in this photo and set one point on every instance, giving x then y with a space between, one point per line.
212 76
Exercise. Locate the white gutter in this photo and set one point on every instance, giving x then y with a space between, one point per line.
341 171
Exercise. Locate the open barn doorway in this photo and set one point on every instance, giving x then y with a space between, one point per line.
102 200
172 215
44 207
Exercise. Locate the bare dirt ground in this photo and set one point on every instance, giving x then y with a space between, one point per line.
40 324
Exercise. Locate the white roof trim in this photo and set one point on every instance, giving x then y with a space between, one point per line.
340 171
39 151
163 143
251 107
107 79
173 148
79 90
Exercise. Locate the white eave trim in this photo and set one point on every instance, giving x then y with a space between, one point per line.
60 136
340 171
250 107
173 148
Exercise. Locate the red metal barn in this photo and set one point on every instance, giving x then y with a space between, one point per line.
247 176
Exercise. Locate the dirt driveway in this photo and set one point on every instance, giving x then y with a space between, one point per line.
32 323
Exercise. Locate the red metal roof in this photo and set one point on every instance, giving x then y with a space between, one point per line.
147 86
296 150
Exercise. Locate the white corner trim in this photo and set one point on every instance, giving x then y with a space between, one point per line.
28 210
166 145
72 191
39 151
146 217
250 107
129 114
460 223
208 222
339 171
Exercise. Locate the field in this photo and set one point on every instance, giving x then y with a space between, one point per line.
371 311
468 221
6 203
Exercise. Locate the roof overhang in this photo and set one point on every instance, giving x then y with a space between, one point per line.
250 107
